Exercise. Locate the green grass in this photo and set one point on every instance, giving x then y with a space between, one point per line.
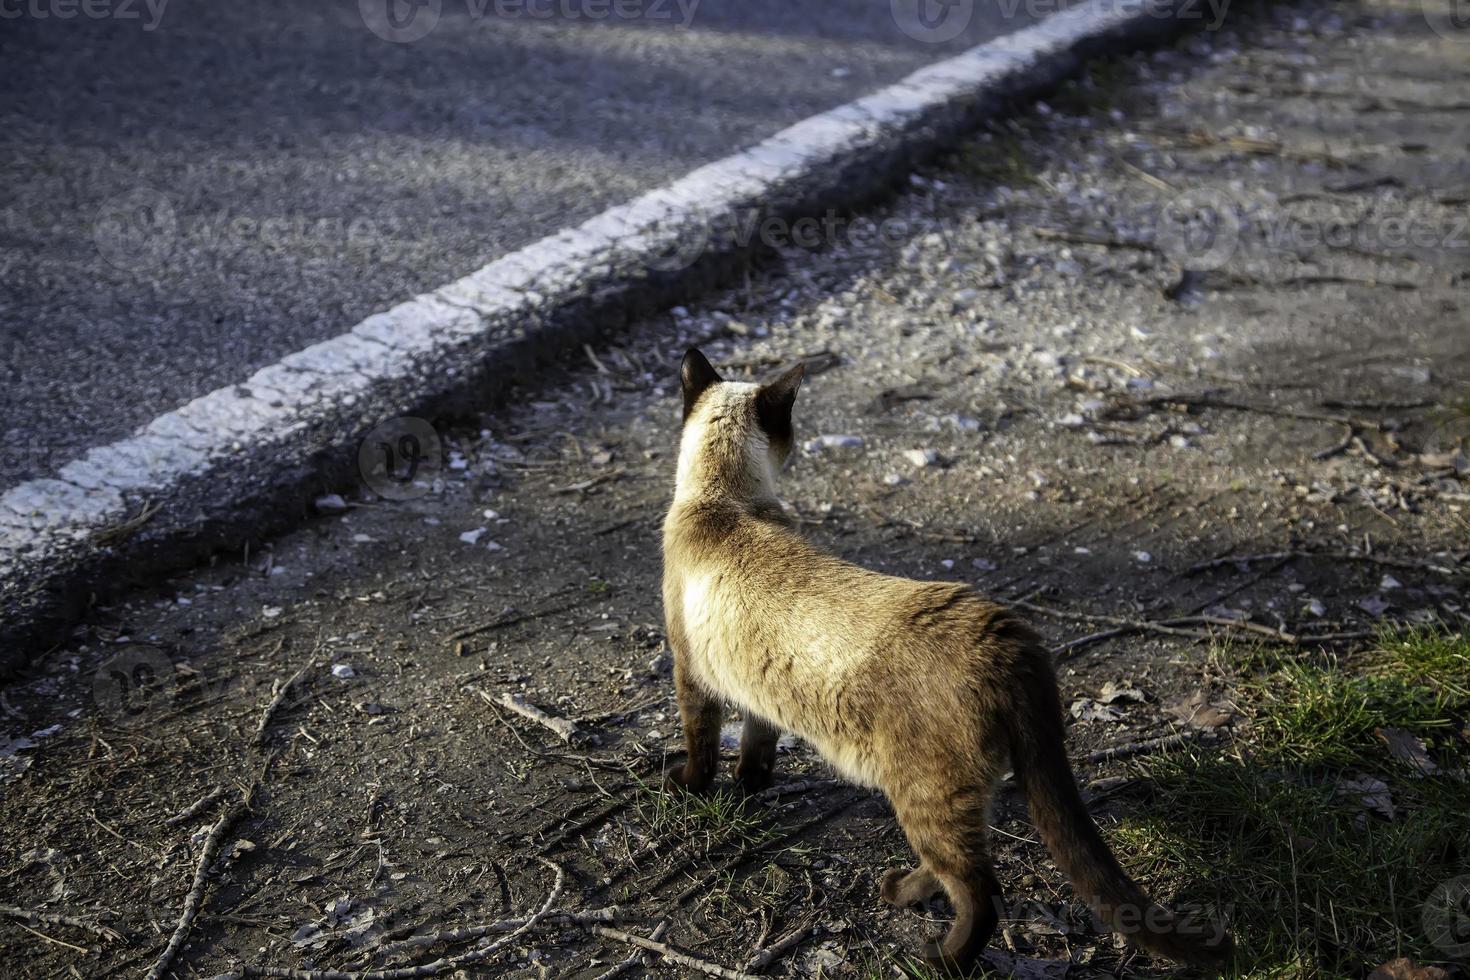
719 817
999 160
1096 91
1313 885
873 967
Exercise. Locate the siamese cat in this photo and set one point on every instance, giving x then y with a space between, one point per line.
921 689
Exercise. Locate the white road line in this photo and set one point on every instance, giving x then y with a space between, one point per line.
44 519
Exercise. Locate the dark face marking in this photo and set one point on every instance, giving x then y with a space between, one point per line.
696 374
773 408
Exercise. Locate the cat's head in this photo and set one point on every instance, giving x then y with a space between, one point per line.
735 426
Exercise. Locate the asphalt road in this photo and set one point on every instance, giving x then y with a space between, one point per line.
190 190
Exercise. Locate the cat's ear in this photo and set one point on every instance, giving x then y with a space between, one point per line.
695 375
773 404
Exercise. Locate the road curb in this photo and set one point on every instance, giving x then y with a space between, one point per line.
243 462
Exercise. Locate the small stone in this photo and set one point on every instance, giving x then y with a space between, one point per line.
921 457
1142 557
1389 583
834 442
662 664
895 480
343 671
330 504
473 537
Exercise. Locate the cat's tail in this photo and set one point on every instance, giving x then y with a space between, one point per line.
1039 756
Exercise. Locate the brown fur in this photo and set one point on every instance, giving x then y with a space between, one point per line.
923 689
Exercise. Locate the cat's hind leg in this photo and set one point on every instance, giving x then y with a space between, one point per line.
977 899
947 828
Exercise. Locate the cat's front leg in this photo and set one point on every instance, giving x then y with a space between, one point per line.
701 716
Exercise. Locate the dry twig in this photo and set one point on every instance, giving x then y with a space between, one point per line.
640 958
1143 746
584 825
195 898
673 955
1384 560
603 916
565 730
281 691
743 856
36 917
799 786
196 808
510 617
442 965
763 958
1178 626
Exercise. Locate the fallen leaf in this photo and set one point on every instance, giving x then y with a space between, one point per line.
1200 712
1046 923
1408 749
1026 968
1112 693
1086 709
1373 605
1404 968
12 765
1371 793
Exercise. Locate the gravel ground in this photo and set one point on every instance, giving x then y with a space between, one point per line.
1024 374
190 191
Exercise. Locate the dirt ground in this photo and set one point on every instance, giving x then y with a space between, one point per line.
1023 373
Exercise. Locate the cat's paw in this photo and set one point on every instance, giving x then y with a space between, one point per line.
678 777
903 887
753 779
